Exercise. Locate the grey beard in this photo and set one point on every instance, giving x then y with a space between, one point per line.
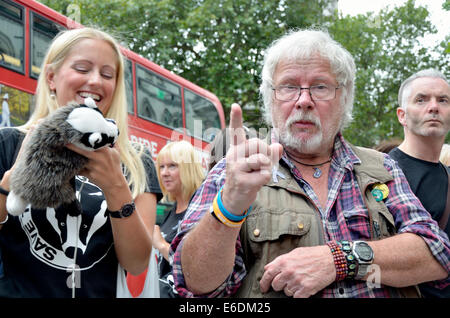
304 146
288 140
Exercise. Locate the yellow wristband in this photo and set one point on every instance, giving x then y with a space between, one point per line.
222 218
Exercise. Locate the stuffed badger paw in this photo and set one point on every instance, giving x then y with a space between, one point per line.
15 205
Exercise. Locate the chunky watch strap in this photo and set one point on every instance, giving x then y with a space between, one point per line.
124 212
352 263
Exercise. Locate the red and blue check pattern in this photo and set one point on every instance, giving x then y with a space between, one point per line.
344 218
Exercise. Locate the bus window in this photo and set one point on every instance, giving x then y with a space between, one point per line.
129 84
11 36
202 118
42 33
158 99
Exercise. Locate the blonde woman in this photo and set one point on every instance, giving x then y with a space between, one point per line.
65 253
445 155
180 173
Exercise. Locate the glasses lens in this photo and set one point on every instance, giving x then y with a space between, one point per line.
318 92
322 92
287 93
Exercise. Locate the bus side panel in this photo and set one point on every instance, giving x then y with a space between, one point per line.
155 142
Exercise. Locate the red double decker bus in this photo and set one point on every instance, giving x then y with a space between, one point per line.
161 105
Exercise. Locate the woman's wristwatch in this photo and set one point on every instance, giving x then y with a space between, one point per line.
125 211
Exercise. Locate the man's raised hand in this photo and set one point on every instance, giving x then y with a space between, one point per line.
249 165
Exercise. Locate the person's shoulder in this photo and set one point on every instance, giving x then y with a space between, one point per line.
367 151
138 147
143 153
373 161
395 153
10 131
10 135
369 155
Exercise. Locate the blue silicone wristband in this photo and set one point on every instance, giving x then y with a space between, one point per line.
228 215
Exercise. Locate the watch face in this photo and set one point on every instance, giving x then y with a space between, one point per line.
127 210
364 251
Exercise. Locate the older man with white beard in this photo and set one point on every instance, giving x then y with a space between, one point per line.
424 113
305 213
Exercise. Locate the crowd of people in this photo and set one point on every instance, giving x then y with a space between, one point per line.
300 212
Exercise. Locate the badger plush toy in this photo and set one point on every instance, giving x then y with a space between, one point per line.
45 171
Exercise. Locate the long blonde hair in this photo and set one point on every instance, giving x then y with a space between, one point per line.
445 154
189 165
45 104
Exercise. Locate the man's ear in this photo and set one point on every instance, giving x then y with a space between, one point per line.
401 115
50 77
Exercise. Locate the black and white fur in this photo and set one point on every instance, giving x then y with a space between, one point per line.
44 175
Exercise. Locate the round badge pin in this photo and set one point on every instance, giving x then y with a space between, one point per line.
378 194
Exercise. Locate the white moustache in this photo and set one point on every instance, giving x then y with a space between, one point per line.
301 116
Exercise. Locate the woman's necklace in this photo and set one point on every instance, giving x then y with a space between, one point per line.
317 171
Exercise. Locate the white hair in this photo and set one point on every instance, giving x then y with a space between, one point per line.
305 44
405 88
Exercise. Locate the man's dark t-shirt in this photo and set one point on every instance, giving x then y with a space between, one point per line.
429 182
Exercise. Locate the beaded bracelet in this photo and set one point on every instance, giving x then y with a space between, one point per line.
352 264
340 261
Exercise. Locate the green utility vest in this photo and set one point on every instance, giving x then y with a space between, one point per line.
284 218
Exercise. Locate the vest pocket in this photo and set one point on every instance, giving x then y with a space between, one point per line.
272 232
270 224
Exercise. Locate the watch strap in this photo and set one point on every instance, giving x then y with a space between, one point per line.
363 266
362 271
125 211
352 264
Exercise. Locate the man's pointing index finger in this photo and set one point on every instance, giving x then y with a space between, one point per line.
237 132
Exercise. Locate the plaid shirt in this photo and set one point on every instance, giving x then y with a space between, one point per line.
344 218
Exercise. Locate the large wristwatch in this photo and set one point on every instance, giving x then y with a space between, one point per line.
124 212
364 256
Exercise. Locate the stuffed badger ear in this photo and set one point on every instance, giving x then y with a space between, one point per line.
90 102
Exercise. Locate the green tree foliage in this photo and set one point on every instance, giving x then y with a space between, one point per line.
387 48
446 43
219 45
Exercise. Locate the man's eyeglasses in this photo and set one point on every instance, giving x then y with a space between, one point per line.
287 93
